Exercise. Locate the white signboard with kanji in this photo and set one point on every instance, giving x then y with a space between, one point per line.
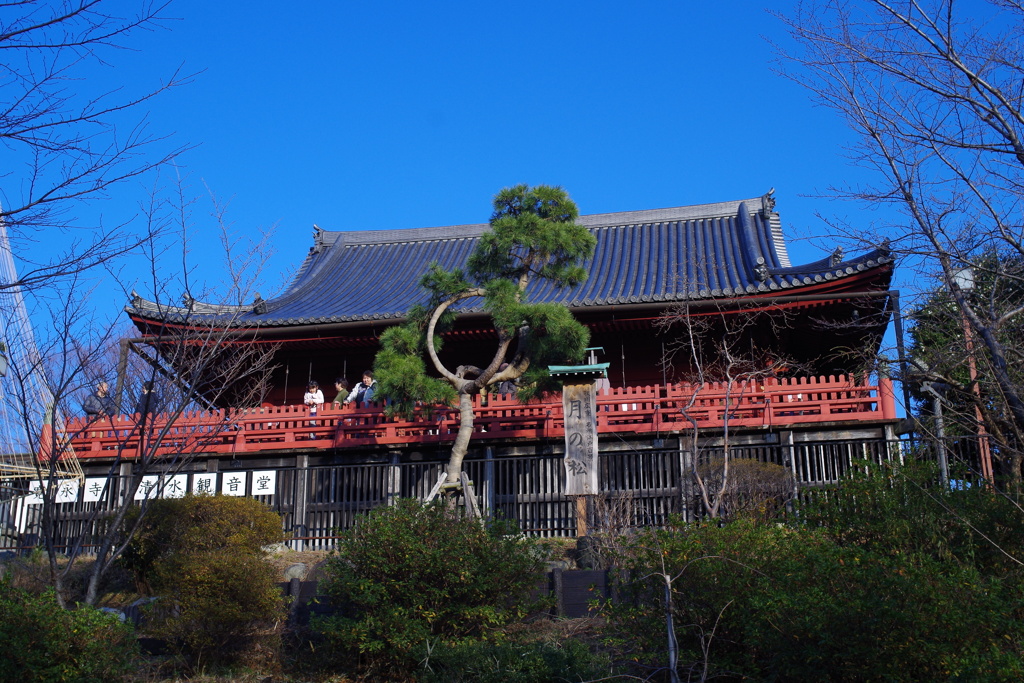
175 486
35 493
95 489
264 483
147 487
67 491
204 484
233 484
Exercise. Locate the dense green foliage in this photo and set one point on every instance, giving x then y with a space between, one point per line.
43 643
775 603
539 662
202 555
414 574
901 510
174 527
888 579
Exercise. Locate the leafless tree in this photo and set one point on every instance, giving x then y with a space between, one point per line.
193 365
68 141
933 91
955 383
714 346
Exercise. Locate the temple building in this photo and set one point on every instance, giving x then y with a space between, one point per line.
726 262
808 397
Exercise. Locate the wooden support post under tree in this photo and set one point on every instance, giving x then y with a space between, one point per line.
581 516
465 485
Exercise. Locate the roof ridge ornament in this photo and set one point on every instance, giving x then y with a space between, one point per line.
318 240
259 304
767 203
836 257
136 300
188 301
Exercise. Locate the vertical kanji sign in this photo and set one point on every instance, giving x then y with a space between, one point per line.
578 403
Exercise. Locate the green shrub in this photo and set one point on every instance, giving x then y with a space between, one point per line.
202 555
414 573
902 509
755 490
175 527
41 642
537 662
216 605
774 603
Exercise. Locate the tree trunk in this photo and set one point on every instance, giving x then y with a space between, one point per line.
670 632
1015 458
461 445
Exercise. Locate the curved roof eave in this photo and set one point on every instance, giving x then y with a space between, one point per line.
660 256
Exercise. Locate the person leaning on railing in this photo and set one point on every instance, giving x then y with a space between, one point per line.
99 403
341 386
363 392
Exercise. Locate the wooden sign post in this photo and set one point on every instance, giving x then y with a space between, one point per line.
579 406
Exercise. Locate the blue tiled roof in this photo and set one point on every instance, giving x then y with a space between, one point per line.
708 251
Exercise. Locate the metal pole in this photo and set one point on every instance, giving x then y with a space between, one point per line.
623 353
901 349
940 428
940 449
284 397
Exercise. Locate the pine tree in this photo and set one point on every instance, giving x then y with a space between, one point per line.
533 236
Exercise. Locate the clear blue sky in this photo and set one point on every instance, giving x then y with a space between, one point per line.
406 114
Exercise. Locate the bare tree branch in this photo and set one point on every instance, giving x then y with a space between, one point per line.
67 143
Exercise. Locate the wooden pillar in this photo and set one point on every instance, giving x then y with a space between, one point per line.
488 483
394 482
581 515
124 472
299 506
887 398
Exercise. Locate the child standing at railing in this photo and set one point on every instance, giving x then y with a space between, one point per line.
314 398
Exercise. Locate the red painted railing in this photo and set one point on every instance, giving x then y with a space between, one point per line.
633 410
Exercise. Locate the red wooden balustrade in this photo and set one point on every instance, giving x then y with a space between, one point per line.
633 410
